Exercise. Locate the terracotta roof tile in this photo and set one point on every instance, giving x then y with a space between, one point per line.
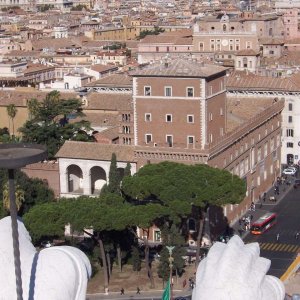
239 81
179 68
109 101
118 80
19 96
103 68
240 109
96 151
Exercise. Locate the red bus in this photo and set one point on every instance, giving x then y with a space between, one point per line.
264 223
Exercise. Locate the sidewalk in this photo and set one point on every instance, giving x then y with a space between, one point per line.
261 207
143 295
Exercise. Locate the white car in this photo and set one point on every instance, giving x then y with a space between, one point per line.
292 168
289 171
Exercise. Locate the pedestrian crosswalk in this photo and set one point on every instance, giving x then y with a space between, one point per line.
279 247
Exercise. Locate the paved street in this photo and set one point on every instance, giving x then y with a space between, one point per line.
149 295
282 252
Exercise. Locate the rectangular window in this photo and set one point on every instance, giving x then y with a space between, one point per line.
148 138
168 118
169 140
221 131
221 111
278 140
290 106
247 164
290 132
190 92
242 168
259 154
148 117
290 145
272 144
210 116
190 118
157 236
168 91
201 47
147 90
290 119
265 149
190 140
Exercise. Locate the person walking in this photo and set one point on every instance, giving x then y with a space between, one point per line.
277 237
138 290
297 235
122 291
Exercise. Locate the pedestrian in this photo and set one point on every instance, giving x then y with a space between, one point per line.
265 197
297 235
251 217
277 237
122 291
138 290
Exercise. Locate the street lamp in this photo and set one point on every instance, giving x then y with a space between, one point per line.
171 259
16 156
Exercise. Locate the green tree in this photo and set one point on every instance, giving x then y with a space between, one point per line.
4 135
32 106
19 194
127 170
136 259
79 7
34 191
50 124
114 179
171 237
105 214
12 112
181 187
155 31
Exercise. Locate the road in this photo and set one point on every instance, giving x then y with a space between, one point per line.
149 295
282 252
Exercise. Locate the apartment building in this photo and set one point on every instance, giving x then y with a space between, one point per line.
240 85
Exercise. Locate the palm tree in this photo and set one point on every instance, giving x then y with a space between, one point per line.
32 106
12 111
20 197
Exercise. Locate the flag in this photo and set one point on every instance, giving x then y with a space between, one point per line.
167 292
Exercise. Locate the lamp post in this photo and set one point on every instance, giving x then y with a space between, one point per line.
171 259
15 156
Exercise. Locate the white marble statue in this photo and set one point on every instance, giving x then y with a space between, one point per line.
235 271
56 273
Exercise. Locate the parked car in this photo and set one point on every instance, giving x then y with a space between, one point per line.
46 244
297 183
289 171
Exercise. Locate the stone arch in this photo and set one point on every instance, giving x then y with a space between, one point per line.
98 179
75 179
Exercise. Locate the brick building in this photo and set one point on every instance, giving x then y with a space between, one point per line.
181 113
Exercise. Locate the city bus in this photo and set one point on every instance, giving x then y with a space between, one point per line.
264 223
